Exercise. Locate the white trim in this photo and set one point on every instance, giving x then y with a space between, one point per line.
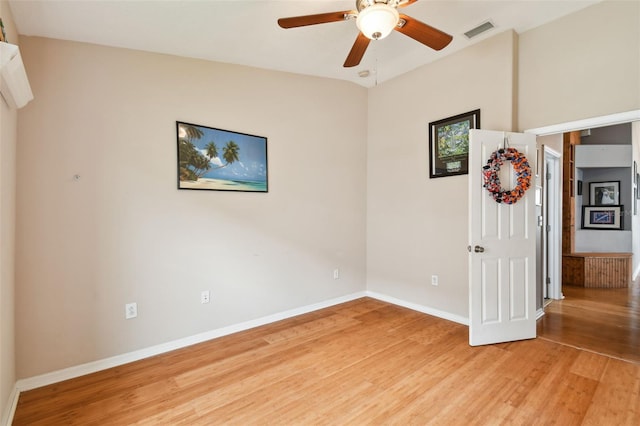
636 272
539 314
103 364
587 123
555 235
420 308
10 410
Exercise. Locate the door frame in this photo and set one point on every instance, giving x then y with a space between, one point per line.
587 123
552 218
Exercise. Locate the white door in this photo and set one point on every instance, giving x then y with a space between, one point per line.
502 245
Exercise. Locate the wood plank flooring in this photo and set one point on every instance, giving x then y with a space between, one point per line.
605 321
362 362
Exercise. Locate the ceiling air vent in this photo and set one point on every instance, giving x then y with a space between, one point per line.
486 26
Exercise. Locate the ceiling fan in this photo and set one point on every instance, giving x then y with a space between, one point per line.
375 19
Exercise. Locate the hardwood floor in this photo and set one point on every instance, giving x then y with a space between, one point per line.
363 362
605 321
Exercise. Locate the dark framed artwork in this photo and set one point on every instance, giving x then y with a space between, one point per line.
602 217
220 160
604 193
449 144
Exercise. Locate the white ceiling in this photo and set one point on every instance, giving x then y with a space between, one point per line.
246 32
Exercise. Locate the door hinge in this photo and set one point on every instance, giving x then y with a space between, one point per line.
548 176
548 228
548 280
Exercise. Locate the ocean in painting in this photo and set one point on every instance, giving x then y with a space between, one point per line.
224 185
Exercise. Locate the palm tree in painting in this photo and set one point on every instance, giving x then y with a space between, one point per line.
212 150
201 166
193 164
231 152
189 132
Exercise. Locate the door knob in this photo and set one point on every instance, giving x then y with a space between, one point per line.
478 249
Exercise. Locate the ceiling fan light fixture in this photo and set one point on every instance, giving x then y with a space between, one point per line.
377 21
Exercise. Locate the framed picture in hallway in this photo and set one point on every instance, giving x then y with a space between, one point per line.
602 217
449 144
220 160
604 193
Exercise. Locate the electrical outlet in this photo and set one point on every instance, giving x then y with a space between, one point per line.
434 280
205 296
336 274
130 310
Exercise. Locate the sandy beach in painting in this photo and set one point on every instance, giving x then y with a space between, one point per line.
221 184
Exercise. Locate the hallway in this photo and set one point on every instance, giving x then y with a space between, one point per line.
606 321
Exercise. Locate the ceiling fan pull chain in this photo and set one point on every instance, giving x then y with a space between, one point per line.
376 73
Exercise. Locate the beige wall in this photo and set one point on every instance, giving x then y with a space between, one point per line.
552 141
124 233
417 227
581 66
8 124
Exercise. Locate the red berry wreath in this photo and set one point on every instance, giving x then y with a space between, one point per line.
520 167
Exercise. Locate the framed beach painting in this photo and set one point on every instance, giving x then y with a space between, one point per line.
449 144
220 160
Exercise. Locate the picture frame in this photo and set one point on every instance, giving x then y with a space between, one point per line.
603 217
449 144
220 160
604 193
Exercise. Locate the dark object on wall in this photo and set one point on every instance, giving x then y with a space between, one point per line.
449 144
3 34
579 188
220 160
604 193
603 217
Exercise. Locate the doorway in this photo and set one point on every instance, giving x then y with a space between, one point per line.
615 311
553 191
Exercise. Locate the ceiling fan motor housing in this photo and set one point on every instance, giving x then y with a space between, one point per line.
376 19
363 4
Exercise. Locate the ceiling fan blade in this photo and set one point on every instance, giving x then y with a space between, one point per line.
320 18
424 33
405 3
357 51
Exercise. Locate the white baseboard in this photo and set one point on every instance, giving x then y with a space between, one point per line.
539 313
10 409
103 364
636 272
420 308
